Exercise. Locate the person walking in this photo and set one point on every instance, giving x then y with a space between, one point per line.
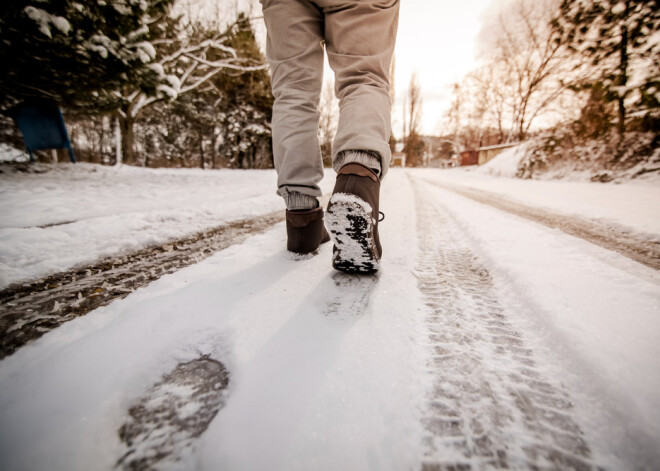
358 37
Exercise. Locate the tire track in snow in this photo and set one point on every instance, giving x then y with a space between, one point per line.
490 405
29 311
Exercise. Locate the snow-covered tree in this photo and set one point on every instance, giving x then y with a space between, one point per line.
187 58
245 106
621 39
224 121
76 52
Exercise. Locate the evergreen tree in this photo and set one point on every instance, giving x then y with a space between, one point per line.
245 108
414 150
189 56
620 38
79 53
224 121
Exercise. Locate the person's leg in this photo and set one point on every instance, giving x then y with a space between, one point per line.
360 38
295 52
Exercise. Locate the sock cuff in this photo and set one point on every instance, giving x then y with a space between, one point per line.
295 201
365 157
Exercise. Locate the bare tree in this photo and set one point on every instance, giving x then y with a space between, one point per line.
414 144
490 84
392 99
329 111
414 104
454 116
475 116
528 62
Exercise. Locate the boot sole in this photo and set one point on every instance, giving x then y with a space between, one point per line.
351 227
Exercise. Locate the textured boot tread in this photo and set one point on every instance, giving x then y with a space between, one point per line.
350 223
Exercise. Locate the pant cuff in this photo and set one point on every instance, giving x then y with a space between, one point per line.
295 201
365 157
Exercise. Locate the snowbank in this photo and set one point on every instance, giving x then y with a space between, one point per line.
505 164
597 160
634 205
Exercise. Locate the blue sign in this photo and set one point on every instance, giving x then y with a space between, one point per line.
42 126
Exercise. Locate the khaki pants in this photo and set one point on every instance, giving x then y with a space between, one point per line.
359 39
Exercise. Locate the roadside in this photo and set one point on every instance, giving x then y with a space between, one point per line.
642 248
30 310
589 312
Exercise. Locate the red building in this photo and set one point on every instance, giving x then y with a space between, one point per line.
469 157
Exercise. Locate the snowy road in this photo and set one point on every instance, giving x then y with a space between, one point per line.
486 341
643 248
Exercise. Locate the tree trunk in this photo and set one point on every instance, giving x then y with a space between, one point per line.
213 152
201 152
127 140
623 73
118 153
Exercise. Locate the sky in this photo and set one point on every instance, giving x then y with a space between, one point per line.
437 39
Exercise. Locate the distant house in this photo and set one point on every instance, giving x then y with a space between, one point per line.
469 157
488 153
442 163
398 159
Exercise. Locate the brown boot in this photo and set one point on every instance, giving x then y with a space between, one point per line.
352 219
305 231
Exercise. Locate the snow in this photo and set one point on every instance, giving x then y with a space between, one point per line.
634 205
505 164
101 44
121 8
174 82
601 318
353 251
619 8
61 24
43 19
327 371
168 91
158 69
146 51
141 31
92 211
11 154
311 388
101 50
